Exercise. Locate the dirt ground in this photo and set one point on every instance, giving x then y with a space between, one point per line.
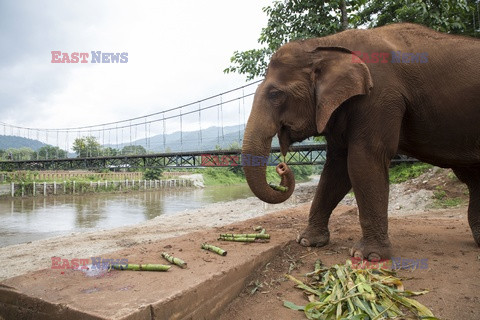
419 229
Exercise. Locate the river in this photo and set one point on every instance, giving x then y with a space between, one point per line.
28 219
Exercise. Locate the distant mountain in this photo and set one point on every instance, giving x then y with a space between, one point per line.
206 139
7 142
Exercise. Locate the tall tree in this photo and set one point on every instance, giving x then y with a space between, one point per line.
133 149
300 19
51 152
87 147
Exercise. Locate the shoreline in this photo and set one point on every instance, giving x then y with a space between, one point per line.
26 257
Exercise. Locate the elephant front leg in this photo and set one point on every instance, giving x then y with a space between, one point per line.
333 186
369 176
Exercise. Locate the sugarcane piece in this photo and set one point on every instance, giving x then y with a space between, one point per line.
172 259
215 249
257 228
141 267
278 187
237 239
247 235
262 231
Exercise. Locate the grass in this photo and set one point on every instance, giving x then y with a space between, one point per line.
405 171
442 200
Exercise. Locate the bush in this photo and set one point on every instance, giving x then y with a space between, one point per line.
406 171
152 174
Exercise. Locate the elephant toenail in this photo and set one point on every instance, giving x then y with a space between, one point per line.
373 257
358 254
304 242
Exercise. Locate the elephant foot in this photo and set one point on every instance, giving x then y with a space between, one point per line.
313 237
371 250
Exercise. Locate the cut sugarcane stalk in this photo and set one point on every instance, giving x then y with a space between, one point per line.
172 259
141 267
215 249
257 228
278 187
247 235
237 239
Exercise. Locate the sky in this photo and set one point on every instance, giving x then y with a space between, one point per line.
177 51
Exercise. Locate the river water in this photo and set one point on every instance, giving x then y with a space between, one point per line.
28 219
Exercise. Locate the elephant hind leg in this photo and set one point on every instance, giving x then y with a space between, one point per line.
471 177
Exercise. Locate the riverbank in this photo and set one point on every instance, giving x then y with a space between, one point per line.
36 255
417 196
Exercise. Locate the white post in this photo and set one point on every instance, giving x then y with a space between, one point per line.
44 188
54 187
34 188
64 187
73 191
13 189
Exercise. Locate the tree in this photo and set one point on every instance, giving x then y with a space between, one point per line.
109 151
50 152
300 19
87 147
23 153
131 150
451 16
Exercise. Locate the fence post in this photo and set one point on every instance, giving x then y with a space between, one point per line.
34 188
54 187
64 187
73 191
44 188
13 189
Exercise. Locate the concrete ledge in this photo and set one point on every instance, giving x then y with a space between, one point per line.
199 292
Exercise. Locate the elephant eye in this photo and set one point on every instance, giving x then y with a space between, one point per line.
275 95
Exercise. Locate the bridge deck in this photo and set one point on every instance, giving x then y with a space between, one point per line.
299 155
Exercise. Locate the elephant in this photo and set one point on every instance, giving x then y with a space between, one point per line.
372 93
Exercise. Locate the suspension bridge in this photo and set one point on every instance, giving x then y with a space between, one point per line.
203 133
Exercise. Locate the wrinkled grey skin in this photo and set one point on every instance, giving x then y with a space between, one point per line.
369 112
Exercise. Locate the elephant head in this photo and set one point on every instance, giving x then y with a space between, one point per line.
304 85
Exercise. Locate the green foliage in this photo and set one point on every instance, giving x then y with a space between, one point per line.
452 16
109 151
216 176
23 153
442 200
300 19
87 147
153 174
403 172
290 20
50 152
133 150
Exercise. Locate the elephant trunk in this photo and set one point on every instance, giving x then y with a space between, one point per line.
255 153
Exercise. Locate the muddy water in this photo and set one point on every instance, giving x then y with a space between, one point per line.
24 220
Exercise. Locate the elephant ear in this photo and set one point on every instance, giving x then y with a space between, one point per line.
338 76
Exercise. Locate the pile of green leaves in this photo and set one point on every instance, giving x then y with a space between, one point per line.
343 292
